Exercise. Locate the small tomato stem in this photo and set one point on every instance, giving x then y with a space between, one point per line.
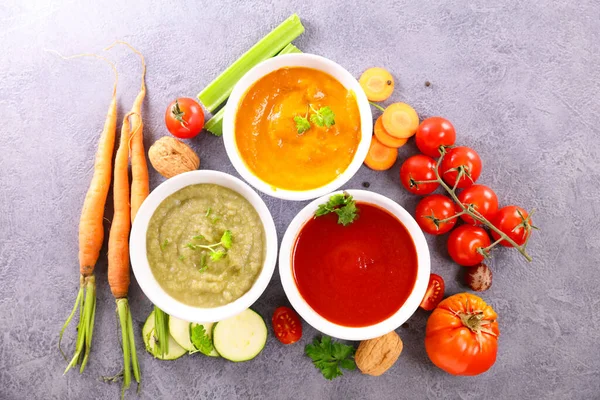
441 221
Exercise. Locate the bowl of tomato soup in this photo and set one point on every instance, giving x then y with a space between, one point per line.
297 126
358 281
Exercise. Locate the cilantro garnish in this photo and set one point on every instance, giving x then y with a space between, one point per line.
216 251
200 339
302 124
324 116
343 205
329 357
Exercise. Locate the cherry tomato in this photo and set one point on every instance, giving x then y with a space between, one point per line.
418 168
434 293
463 157
463 243
438 206
514 222
184 118
433 133
287 325
482 198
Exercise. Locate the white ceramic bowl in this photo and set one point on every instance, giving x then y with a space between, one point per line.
345 332
296 60
139 260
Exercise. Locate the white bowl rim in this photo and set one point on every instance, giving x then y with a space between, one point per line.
141 267
344 332
297 60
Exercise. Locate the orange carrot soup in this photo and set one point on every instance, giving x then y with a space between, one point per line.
282 136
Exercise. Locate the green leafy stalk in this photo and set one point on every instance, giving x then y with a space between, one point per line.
123 313
86 302
219 90
161 326
134 360
289 49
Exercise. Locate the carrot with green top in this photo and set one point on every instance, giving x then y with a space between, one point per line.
91 232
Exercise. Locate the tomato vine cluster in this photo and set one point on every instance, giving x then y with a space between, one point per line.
458 168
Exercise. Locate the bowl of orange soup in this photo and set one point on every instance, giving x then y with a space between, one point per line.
297 126
358 281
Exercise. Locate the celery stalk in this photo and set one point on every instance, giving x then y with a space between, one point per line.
219 90
215 124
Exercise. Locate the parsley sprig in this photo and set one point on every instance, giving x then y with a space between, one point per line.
216 250
329 357
343 205
324 116
201 340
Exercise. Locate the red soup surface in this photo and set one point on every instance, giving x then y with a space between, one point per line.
355 275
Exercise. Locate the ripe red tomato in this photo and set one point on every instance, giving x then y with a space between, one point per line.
184 118
483 199
463 157
516 226
433 133
418 168
438 206
461 336
287 325
463 243
434 293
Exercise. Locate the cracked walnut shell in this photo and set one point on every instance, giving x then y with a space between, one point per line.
170 157
375 356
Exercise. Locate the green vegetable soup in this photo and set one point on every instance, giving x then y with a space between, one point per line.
205 245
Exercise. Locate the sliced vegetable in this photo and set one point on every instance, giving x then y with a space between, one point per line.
385 138
148 333
287 325
400 120
434 293
329 357
240 338
219 90
180 332
380 157
377 83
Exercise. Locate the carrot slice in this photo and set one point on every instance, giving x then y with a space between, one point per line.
380 157
377 83
400 120
385 138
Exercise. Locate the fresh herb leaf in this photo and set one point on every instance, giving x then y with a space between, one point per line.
198 237
324 116
200 339
343 205
181 257
192 246
208 211
226 239
203 264
302 124
329 357
215 219
165 244
217 255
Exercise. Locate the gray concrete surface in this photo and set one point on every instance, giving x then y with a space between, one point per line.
518 79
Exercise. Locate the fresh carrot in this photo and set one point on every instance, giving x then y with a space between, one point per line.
377 83
385 138
140 184
380 157
400 120
91 230
118 253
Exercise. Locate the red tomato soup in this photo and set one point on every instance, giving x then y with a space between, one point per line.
355 275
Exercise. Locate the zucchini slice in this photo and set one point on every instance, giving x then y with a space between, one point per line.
240 338
180 331
175 350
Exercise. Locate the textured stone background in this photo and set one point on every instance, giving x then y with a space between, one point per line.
519 81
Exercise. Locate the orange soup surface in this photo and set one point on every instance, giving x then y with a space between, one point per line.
267 137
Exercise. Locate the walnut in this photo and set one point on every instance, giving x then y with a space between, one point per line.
375 356
170 157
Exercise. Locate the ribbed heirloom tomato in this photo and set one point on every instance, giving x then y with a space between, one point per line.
461 336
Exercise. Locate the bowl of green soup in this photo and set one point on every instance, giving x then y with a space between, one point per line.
203 246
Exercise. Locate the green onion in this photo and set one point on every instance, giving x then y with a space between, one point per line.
219 90
215 124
